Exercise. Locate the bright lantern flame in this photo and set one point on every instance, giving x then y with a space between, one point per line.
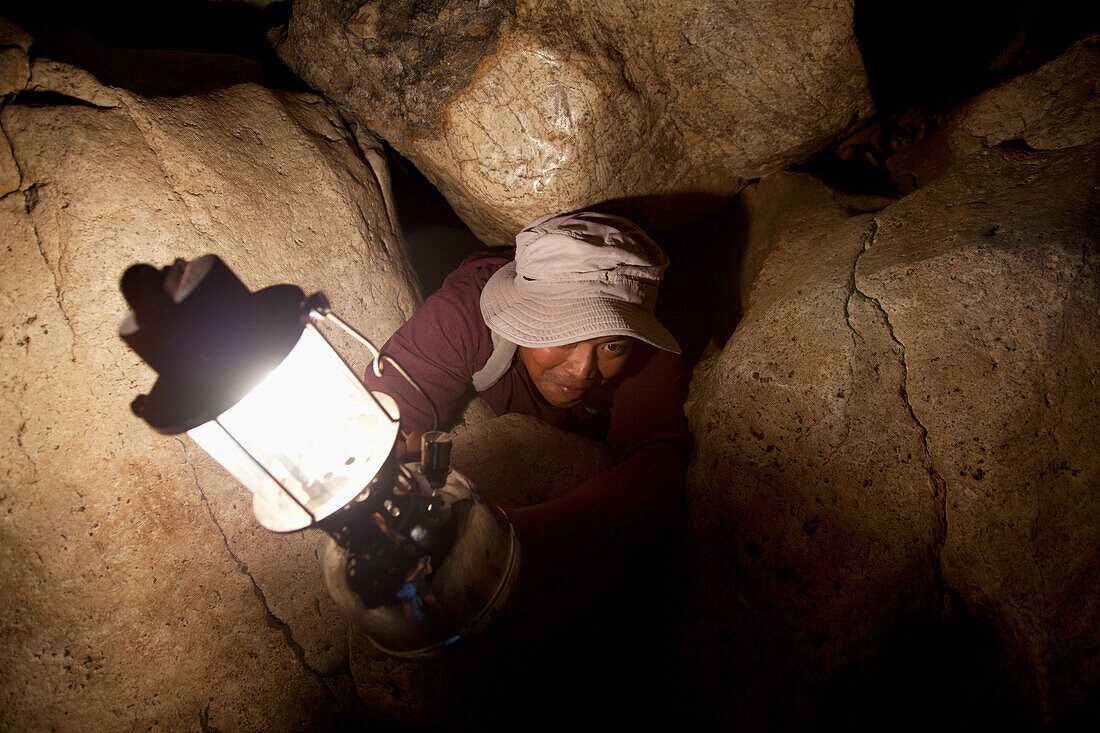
310 426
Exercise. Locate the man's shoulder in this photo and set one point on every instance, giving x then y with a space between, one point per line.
476 270
459 296
450 320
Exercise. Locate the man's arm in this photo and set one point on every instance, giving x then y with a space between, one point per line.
443 343
571 543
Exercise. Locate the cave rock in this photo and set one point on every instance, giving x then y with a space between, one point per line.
1053 107
138 586
517 460
515 109
901 432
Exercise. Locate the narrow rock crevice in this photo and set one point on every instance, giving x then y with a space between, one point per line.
376 166
857 337
16 404
204 721
30 201
868 240
49 98
173 191
936 479
273 621
11 148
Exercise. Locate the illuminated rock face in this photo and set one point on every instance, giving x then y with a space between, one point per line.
139 590
518 109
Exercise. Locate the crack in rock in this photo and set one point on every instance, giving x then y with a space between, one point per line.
52 98
145 129
14 160
17 405
939 484
273 621
30 201
375 166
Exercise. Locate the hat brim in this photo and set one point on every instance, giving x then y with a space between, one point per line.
542 322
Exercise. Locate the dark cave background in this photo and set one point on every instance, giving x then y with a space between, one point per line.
922 60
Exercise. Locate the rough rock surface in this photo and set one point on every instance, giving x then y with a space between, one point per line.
906 417
139 591
813 497
514 108
15 71
1002 366
1054 107
515 460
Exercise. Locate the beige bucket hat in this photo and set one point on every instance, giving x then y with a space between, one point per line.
575 277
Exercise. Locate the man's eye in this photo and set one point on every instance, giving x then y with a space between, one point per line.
615 347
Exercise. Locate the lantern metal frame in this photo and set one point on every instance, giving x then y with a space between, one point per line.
415 556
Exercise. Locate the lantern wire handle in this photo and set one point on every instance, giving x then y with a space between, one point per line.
318 308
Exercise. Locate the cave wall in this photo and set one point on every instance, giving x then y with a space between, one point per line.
904 433
139 592
899 435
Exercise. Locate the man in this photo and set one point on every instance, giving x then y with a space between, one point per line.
564 332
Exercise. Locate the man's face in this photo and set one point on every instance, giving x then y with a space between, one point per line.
563 374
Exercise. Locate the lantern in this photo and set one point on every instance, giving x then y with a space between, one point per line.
414 556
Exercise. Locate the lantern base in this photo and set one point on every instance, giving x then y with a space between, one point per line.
455 574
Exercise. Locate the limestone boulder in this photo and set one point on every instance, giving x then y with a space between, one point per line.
514 108
901 434
15 71
139 590
14 65
812 494
999 257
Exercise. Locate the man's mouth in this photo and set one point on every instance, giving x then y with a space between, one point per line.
572 391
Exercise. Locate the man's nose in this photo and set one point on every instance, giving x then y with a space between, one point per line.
581 364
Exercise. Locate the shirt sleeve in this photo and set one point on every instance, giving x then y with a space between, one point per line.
648 405
440 347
